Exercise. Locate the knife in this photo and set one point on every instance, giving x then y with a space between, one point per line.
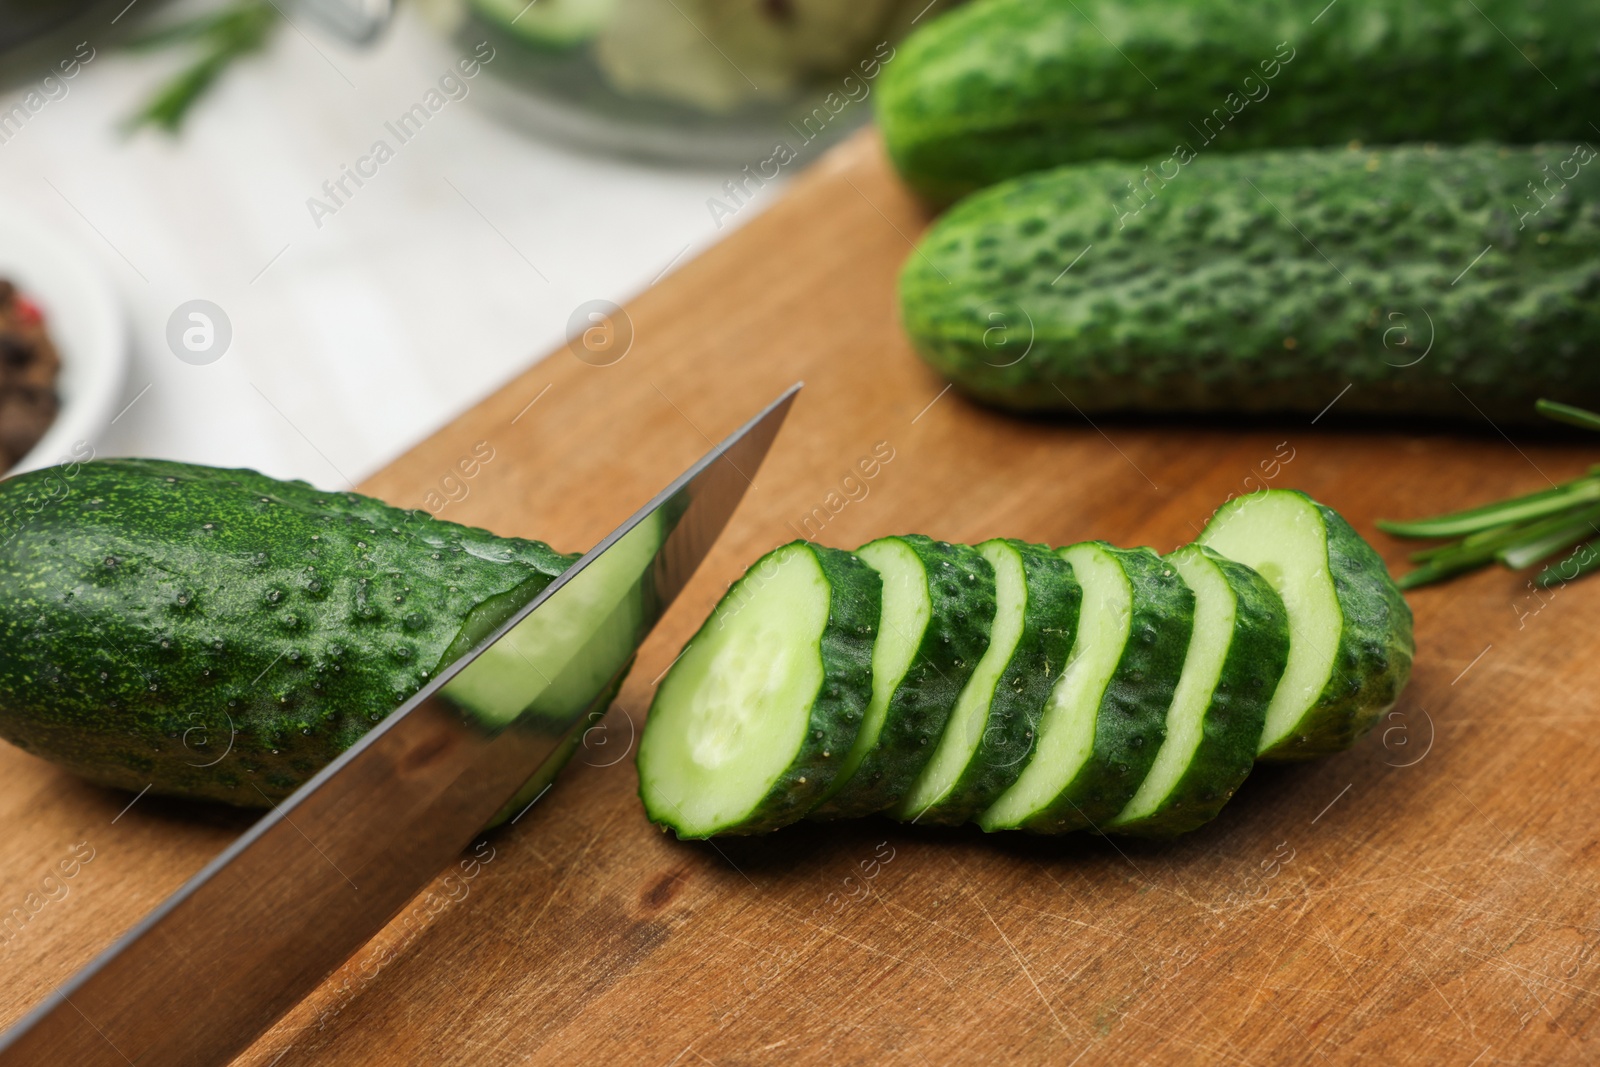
248 937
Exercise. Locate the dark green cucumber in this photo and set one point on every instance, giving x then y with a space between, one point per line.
1407 280
1106 718
1350 641
1235 659
938 608
223 635
1005 87
754 718
991 732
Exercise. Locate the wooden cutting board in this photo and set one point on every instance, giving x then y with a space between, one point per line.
1427 898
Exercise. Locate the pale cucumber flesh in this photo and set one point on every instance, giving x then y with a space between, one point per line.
1202 668
1284 538
965 728
733 712
1066 730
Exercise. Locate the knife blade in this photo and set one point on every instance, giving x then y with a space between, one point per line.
221 959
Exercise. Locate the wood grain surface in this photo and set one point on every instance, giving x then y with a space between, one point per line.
1427 898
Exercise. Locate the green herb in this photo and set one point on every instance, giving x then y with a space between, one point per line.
1518 532
237 30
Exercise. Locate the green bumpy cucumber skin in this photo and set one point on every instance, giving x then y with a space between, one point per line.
1132 720
961 588
855 594
1007 87
1376 648
1416 277
222 635
1049 623
1232 725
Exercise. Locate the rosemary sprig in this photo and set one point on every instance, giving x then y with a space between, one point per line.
239 29
1518 532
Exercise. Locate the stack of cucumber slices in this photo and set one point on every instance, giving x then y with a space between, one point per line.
1020 687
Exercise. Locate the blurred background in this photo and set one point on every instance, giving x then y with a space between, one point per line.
299 235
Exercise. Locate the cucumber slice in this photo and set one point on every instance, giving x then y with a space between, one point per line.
1235 658
1350 642
553 24
752 721
1106 717
938 608
991 732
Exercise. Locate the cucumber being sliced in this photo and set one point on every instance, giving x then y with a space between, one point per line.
555 662
991 732
753 720
938 607
1350 642
567 656
553 24
1106 717
1235 658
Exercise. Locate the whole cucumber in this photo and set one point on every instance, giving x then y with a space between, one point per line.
1004 87
223 635
1455 282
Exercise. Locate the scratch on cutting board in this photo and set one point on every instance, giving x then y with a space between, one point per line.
1266 975
1522 856
1557 1024
566 876
1159 987
1022 964
1110 931
1192 1043
883 903
750 997
984 946
859 944
936 924
680 1055
1181 893
1403 876
1417 966
1337 951
1519 971
966 881
497 1046
847 939
1512 971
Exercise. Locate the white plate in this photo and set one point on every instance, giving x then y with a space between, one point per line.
85 321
